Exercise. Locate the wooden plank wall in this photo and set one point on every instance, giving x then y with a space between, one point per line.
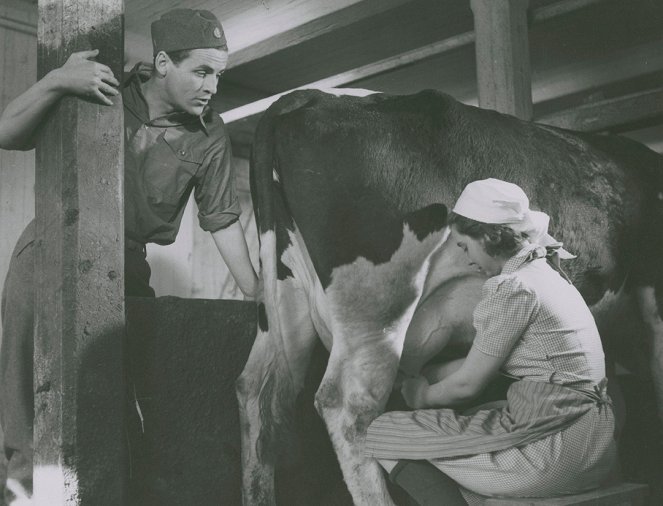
18 70
192 266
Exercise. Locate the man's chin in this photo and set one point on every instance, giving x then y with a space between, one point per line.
196 109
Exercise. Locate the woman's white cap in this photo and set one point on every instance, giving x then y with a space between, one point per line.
500 202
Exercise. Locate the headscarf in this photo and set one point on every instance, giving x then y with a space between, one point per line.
502 203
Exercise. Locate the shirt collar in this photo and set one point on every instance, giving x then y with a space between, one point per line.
135 102
527 254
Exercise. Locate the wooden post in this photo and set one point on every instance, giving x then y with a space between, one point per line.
79 434
502 54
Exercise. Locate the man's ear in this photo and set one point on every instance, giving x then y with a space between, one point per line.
161 63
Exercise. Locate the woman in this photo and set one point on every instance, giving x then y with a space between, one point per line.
554 435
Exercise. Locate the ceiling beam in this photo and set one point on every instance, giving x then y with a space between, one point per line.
610 114
651 137
296 22
258 29
398 61
578 77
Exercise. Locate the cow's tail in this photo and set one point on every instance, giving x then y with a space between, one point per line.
277 392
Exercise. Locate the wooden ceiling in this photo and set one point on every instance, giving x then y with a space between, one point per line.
581 51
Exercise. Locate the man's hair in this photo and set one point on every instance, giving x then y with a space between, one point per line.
176 57
501 240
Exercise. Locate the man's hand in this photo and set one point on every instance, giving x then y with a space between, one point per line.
86 78
414 392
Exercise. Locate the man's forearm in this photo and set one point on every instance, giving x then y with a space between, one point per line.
79 76
24 114
231 243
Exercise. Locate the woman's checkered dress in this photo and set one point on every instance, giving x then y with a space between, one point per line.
555 434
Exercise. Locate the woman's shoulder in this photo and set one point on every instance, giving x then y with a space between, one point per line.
509 284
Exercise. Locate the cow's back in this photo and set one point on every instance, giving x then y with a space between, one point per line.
388 156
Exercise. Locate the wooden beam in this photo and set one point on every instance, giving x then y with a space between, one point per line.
18 16
297 22
651 137
580 76
79 438
258 29
610 114
397 61
502 56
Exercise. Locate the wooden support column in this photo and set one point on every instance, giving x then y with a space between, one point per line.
502 54
79 434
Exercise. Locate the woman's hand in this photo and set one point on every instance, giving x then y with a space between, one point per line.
414 392
86 78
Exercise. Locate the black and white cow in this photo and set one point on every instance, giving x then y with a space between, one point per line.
349 196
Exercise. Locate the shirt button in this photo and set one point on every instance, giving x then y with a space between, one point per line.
182 152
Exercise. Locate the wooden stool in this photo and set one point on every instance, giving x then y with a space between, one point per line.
622 494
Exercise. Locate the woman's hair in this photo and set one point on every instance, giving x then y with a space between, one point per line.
501 240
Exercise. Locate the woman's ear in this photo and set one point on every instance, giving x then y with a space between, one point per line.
488 244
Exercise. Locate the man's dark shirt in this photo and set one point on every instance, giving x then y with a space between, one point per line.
165 159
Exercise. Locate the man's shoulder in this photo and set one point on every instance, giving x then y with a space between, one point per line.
208 136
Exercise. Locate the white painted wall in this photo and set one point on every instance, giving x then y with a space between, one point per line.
18 71
192 267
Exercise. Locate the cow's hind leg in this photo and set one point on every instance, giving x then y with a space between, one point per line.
651 310
267 388
352 394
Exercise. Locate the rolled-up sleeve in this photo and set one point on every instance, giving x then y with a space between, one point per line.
503 315
215 193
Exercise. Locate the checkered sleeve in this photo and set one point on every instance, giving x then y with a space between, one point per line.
503 315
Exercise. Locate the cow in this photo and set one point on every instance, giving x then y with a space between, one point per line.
351 196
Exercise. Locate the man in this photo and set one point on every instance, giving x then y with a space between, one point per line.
174 144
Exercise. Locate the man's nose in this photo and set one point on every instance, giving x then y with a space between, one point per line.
210 84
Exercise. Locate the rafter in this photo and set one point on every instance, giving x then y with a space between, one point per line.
257 29
397 61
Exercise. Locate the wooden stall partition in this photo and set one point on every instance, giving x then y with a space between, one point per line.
79 389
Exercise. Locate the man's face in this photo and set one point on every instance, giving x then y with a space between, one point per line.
191 83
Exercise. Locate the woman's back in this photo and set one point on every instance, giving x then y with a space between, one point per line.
560 344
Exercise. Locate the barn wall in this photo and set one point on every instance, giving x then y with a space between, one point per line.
192 267
18 70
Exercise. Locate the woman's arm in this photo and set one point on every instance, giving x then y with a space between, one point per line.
501 318
457 388
79 76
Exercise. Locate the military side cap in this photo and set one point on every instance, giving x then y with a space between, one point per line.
181 29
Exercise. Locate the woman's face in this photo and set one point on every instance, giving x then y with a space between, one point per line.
476 253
